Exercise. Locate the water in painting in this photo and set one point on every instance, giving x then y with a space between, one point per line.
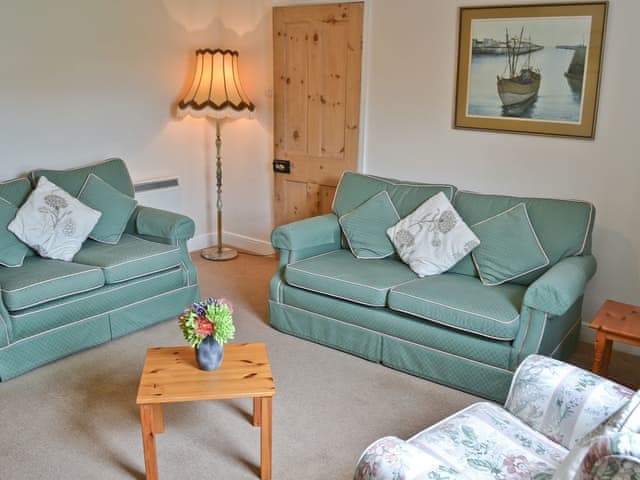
529 68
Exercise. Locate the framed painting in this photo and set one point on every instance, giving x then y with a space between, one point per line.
530 68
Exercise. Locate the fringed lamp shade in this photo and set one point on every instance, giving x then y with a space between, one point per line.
216 90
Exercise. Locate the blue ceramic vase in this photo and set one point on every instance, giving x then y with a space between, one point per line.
209 354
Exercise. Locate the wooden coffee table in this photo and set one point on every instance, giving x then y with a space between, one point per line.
618 322
171 374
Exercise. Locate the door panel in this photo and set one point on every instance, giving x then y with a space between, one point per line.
317 63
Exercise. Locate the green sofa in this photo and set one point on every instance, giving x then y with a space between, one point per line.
449 328
51 308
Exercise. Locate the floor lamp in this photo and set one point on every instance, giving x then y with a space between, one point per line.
216 92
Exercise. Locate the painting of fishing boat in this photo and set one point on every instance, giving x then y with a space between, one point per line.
521 84
530 68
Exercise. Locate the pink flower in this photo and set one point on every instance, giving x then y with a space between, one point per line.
224 301
518 465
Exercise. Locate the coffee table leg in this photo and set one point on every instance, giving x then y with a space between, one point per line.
265 438
256 411
601 354
158 418
148 440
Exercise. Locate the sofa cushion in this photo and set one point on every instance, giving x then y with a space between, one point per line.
433 238
463 303
563 226
365 227
12 250
132 257
354 189
115 206
113 171
339 274
484 441
52 222
15 191
41 280
509 247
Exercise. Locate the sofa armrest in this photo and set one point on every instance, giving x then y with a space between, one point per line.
163 225
306 238
308 233
612 456
391 458
563 284
562 401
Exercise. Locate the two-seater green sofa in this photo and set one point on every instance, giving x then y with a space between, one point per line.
52 308
449 328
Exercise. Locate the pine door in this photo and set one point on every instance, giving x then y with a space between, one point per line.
317 63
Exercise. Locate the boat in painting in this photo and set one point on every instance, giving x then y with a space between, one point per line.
519 85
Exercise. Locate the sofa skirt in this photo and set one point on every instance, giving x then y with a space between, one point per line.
31 352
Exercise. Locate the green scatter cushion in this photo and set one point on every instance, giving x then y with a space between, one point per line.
41 280
130 258
113 171
365 227
355 189
339 274
509 247
563 226
15 191
116 208
12 250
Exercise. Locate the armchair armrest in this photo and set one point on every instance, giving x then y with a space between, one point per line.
613 456
306 238
391 458
559 288
562 401
162 224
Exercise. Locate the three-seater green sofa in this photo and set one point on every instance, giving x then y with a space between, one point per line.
449 328
52 308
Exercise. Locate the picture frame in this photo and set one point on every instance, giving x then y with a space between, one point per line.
530 68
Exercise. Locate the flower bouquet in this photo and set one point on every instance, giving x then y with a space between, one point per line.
207 326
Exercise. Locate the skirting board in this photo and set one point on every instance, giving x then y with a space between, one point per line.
235 240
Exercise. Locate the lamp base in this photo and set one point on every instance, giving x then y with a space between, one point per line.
213 253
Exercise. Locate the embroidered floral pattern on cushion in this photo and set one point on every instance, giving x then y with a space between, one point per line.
433 238
52 222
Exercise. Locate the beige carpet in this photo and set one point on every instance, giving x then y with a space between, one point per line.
77 418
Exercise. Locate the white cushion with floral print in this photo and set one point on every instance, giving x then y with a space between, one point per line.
52 222
432 238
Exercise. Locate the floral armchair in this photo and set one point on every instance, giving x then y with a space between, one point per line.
559 422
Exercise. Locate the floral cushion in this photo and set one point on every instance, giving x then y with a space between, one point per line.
562 401
52 222
433 238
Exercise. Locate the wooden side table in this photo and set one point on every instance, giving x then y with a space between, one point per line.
618 322
170 374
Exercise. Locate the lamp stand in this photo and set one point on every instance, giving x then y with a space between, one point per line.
219 252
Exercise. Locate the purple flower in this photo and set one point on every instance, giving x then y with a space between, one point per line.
198 309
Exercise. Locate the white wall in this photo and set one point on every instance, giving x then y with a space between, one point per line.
81 81
411 66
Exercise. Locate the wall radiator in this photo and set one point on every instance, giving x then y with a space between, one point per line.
163 193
